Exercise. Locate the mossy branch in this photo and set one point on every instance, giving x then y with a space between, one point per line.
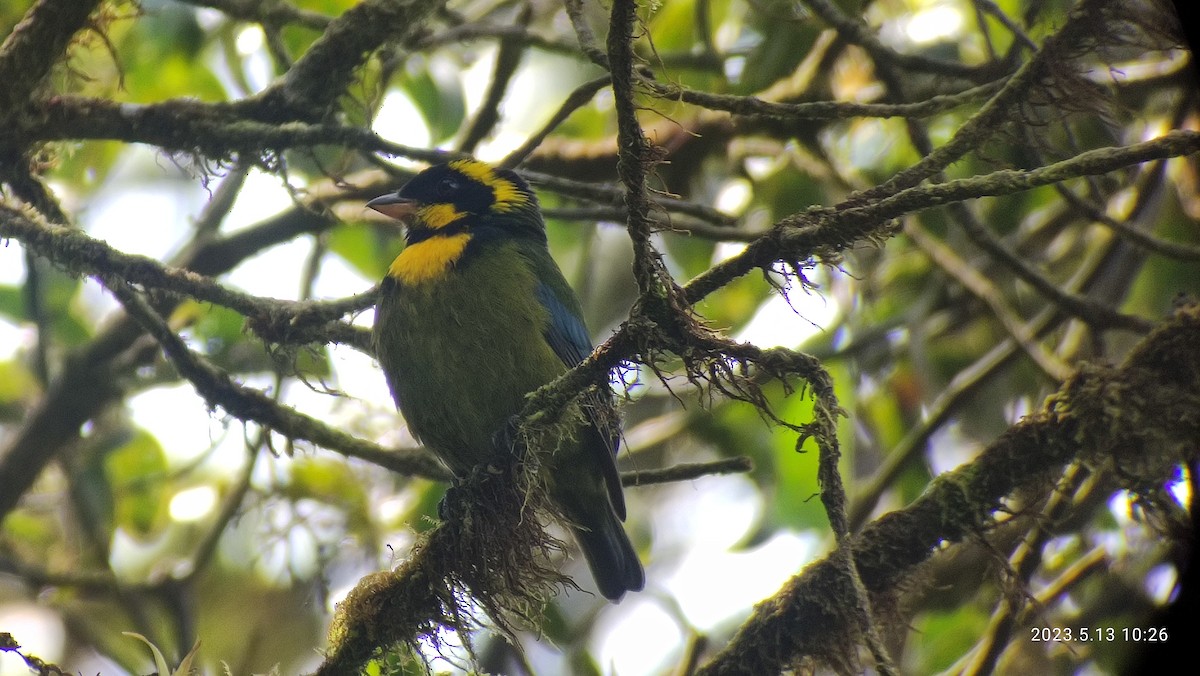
1140 418
278 321
827 231
35 44
248 404
493 550
315 81
824 232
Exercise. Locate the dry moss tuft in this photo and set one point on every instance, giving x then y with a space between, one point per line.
492 552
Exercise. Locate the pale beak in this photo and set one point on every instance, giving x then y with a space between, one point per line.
393 205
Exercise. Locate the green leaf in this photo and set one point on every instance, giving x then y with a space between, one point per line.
438 96
59 293
787 191
311 362
797 499
28 531
1163 278
85 165
161 55
185 665
220 334
945 637
333 482
17 385
136 472
366 249
692 255
781 42
734 305
673 26
12 302
160 662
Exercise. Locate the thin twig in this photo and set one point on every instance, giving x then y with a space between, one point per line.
1093 312
86 255
1077 424
251 405
857 32
508 59
687 471
1023 564
979 286
583 33
34 45
578 98
754 107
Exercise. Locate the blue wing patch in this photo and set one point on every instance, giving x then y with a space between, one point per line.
566 333
569 339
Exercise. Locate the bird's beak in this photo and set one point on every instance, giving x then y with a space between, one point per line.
393 205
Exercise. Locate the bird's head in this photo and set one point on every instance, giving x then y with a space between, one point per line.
464 196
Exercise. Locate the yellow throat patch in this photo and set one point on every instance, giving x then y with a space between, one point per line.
429 259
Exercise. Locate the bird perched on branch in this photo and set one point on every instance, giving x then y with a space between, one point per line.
474 314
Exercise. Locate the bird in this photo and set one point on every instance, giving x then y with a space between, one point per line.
473 315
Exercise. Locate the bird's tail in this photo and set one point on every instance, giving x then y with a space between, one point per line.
610 556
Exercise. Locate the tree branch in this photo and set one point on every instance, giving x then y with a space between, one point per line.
324 72
35 45
856 31
1155 420
250 405
754 107
279 320
212 130
92 376
827 231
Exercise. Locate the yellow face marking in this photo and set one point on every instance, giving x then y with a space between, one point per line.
508 197
428 259
437 216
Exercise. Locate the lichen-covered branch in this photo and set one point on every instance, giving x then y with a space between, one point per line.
1139 417
250 405
211 130
280 321
634 155
274 13
755 107
324 72
826 231
494 550
35 44
1051 71
92 376
821 230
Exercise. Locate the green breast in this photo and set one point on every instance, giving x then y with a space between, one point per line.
461 351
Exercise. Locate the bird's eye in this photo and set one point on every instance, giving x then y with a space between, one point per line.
447 187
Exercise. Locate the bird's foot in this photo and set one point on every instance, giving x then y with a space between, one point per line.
506 440
451 507
447 507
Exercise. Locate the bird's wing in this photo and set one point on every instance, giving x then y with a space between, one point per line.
566 333
568 337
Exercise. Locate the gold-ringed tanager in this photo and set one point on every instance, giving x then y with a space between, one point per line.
474 314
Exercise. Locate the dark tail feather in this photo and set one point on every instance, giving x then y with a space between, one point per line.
610 556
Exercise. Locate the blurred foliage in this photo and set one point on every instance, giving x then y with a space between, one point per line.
106 541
